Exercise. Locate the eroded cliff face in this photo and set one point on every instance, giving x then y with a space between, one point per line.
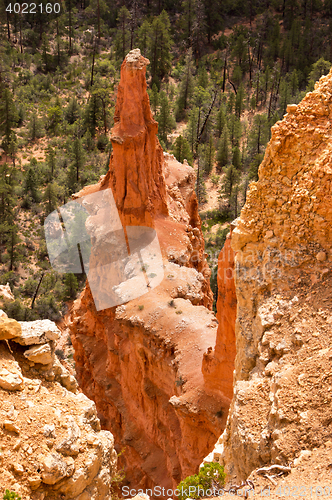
281 407
51 442
141 362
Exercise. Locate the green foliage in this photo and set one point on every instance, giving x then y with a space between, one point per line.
223 149
181 150
11 495
71 286
159 47
229 181
35 130
72 112
165 120
210 476
208 154
319 68
186 87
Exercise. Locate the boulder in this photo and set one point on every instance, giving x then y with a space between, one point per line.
40 354
9 328
37 332
55 468
11 381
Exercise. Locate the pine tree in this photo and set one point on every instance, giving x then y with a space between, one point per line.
51 162
159 48
78 158
221 120
191 131
236 157
72 112
154 98
186 87
123 33
71 286
8 119
208 154
259 134
164 118
51 197
234 129
35 127
13 246
31 185
239 100
223 150
9 211
229 181
181 150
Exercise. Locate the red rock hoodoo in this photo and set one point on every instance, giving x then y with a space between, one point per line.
141 362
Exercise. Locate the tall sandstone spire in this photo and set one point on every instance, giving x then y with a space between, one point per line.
141 362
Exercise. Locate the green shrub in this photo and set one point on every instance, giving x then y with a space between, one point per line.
211 476
11 495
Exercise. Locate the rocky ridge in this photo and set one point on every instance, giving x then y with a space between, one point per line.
141 362
280 412
51 442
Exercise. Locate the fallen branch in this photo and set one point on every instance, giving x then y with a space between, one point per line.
278 468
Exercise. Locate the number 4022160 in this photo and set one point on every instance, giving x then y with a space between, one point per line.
33 8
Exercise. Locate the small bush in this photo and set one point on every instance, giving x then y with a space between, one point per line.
141 308
11 495
211 476
60 353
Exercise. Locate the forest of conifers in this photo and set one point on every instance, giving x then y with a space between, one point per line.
221 74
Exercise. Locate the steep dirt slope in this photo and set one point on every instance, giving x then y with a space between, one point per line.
141 362
51 445
282 401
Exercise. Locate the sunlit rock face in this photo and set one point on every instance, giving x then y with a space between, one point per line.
141 362
283 243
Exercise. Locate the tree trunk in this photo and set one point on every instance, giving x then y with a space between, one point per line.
8 26
98 18
37 290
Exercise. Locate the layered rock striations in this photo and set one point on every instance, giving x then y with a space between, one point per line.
51 442
141 362
282 397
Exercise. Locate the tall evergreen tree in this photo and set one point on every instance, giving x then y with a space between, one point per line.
159 47
164 118
123 33
208 154
223 149
8 119
186 87
229 182
181 150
